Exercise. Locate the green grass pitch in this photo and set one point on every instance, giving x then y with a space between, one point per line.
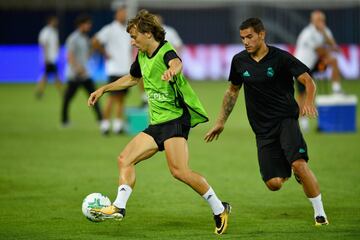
46 171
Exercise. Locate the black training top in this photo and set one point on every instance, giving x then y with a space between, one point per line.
269 87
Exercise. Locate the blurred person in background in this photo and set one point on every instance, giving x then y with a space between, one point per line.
267 75
314 47
173 107
49 43
171 35
77 55
114 43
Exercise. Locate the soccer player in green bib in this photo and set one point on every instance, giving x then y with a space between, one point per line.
174 108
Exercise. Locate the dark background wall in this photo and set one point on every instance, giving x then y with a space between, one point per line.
207 25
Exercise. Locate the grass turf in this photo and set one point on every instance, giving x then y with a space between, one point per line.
46 171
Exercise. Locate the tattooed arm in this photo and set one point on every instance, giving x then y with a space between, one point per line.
228 104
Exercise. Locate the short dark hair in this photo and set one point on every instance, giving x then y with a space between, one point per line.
255 23
145 22
83 18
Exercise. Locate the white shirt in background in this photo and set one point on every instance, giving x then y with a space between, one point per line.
117 44
49 39
173 37
310 39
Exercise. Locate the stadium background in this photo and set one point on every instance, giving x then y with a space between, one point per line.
45 171
208 28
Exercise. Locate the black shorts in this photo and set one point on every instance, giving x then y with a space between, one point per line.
113 79
277 153
50 68
179 127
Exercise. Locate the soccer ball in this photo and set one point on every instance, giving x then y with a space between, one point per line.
94 200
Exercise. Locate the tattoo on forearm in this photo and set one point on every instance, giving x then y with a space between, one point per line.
228 104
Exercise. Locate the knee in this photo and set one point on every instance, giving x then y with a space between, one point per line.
299 166
122 160
179 174
333 61
274 184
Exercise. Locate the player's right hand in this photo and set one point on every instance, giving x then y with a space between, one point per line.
95 96
214 133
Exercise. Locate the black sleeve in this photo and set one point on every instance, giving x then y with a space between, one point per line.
170 55
295 66
234 76
135 69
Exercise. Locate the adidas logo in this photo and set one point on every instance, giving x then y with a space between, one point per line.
122 189
246 74
209 197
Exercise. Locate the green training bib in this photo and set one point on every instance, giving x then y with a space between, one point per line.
167 98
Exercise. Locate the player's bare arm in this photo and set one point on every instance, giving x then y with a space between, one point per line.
330 41
228 104
308 108
229 101
175 66
96 44
120 84
77 67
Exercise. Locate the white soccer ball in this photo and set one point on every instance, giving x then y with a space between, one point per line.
94 200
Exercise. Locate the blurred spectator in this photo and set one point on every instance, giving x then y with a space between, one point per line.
171 35
314 48
114 43
77 74
49 43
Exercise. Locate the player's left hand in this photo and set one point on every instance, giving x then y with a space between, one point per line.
309 110
168 75
214 133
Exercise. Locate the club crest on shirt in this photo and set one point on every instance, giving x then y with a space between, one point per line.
270 72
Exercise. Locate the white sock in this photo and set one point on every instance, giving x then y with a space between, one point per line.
318 206
304 123
215 204
123 195
117 125
104 125
336 87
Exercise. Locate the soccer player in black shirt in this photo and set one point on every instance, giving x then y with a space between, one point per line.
267 75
